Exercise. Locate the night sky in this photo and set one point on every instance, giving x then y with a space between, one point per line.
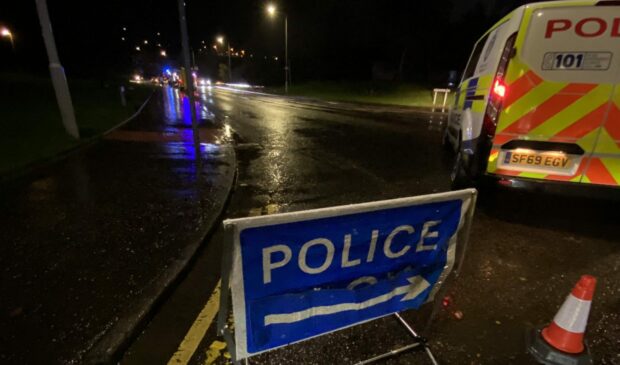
328 39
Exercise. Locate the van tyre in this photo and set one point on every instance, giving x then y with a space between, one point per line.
459 177
445 143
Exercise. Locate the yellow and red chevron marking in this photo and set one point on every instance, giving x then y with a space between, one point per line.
583 126
600 171
543 112
578 113
521 87
604 166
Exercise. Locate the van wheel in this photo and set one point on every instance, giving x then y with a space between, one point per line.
445 143
457 174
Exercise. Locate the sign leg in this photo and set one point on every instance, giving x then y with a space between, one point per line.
416 337
419 341
222 319
389 354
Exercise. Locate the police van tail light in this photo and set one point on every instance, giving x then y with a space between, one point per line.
499 90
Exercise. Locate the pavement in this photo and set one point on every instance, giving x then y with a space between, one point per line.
90 244
525 254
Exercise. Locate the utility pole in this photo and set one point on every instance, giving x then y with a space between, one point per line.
286 69
189 88
229 65
61 88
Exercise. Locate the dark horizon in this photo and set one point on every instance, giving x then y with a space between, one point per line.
328 40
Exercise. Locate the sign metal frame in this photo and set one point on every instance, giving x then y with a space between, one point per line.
233 285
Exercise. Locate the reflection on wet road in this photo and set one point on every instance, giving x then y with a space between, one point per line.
177 105
306 154
175 129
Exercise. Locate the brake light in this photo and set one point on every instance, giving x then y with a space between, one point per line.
499 90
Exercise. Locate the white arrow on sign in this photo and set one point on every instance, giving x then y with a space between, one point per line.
417 285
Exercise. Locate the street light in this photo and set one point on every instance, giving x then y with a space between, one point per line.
272 11
220 40
6 33
163 53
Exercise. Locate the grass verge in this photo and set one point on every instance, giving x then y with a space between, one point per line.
30 121
365 92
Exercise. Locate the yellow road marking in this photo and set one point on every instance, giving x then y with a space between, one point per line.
272 208
201 324
214 352
198 329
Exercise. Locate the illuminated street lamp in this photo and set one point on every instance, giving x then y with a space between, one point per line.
220 40
272 12
163 53
6 33
271 9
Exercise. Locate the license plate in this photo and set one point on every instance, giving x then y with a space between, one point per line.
539 161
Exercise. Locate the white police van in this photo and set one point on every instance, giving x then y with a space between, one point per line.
539 101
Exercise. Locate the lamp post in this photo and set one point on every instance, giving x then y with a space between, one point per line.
57 73
220 40
6 33
272 11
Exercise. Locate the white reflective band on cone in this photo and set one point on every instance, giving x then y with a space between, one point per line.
573 315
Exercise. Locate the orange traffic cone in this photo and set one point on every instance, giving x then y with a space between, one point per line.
562 340
566 331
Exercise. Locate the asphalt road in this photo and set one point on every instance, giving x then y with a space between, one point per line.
525 254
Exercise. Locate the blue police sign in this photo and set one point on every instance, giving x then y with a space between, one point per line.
300 275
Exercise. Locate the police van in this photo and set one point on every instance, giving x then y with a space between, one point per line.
539 101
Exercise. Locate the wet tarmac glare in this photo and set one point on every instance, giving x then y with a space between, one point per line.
88 241
525 254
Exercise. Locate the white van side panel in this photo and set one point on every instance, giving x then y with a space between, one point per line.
568 45
470 105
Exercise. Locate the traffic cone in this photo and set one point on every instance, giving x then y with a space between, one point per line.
562 341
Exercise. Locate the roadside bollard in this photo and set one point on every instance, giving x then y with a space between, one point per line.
123 99
445 93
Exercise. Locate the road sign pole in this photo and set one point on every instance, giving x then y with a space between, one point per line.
57 73
189 79
222 316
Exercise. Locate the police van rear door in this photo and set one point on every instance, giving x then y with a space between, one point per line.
560 119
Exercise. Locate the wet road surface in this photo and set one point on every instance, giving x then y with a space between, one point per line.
525 254
89 242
